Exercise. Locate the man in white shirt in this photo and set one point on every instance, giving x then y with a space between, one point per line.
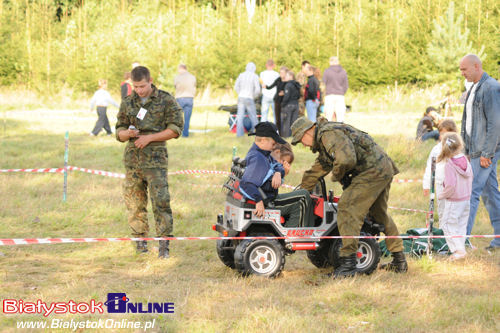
267 78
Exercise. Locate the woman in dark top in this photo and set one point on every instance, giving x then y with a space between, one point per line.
279 83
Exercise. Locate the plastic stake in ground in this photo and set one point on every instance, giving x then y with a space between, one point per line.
431 206
66 147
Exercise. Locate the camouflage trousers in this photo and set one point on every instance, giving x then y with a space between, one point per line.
137 184
366 194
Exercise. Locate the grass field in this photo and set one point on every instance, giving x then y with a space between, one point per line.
435 296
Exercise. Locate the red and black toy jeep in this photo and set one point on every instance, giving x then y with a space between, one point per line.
266 257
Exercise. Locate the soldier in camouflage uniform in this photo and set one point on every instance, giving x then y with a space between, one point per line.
147 119
364 170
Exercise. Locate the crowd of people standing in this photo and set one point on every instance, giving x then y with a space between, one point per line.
289 95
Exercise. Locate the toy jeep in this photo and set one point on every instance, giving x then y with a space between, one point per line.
266 257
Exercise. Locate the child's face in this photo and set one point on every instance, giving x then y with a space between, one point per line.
276 154
286 159
267 144
288 77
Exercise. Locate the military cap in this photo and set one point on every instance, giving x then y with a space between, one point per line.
299 127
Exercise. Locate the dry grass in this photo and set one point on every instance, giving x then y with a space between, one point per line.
435 296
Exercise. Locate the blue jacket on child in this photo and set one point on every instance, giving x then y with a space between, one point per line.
259 171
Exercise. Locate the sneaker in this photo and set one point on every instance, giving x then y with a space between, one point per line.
457 256
92 134
491 248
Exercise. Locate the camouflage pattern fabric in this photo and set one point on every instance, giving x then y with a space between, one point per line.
352 156
137 184
146 169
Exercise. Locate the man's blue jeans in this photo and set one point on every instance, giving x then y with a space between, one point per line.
431 135
248 105
186 103
485 185
265 104
312 109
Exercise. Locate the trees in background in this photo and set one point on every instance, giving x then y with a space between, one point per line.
49 43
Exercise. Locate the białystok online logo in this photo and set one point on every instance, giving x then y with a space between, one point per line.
116 303
120 303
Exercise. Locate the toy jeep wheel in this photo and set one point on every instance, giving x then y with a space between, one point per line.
320 257
226 255
261 257
368 256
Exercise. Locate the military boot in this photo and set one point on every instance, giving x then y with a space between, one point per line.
163 251
347 267
398 263
141 246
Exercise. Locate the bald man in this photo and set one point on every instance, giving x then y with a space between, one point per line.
481 134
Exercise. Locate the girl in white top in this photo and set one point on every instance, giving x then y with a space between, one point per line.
445 126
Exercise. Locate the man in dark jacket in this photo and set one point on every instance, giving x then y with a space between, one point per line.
336 84
290 104
312 94
365 171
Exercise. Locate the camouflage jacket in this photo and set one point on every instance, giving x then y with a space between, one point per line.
163 113
346 152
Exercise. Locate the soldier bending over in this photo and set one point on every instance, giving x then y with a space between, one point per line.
365 171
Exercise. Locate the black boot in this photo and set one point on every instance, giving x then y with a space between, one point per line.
398 263
141 246
347 267
163 251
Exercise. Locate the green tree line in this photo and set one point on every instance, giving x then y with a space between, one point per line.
46 44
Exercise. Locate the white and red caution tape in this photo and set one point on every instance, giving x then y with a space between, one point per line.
407 181
44 170
179 172
113 174
28 241
97 172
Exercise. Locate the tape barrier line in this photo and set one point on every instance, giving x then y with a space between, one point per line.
30 241
45 170
179 172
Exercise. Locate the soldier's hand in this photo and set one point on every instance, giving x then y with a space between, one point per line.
426 193
143 141
259 209
276 181
132 133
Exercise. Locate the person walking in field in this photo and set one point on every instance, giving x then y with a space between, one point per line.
481 134
185 90
102 99
267 78
147 119
457 188
336 85
247 86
